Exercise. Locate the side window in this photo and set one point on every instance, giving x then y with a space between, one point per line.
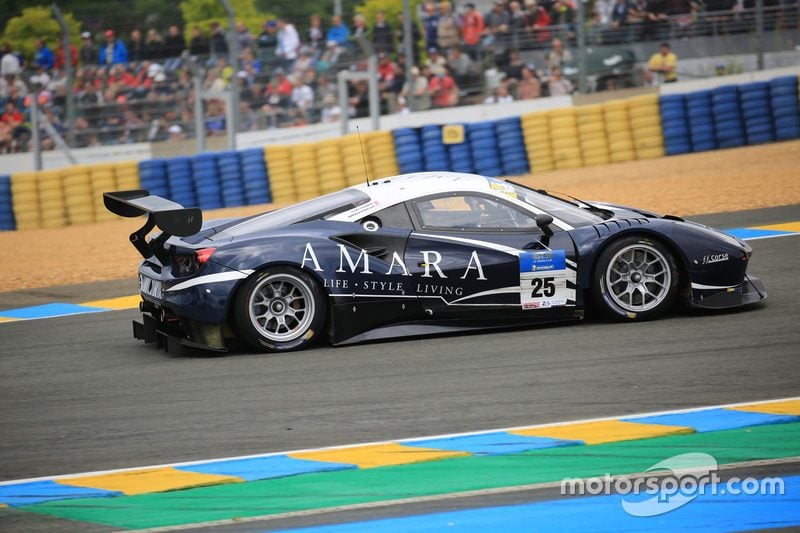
464 212
394 217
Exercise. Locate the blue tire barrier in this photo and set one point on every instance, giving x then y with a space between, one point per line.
733 142
675 124
700 112
704 146
435 137
437 164
181 184
760 138
727 111
790 81
788 101
758 110
783 90
510 136
483 138
758 122
207 182
787 122
404 132
726 108
231 182
153 177
784 134
483 153
408 150
405 142
490 168
459 151
7 221
675 127
677 148
673 114
478 126
724 90
730 125
675 132
696 96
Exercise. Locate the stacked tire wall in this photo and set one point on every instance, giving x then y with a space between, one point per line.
640 127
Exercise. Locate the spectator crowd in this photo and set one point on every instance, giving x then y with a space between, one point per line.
139 87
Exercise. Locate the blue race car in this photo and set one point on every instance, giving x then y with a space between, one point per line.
417 254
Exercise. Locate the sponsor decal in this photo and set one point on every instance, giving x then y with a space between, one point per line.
714 258
150 287
543 279
360 264
543 275
502 187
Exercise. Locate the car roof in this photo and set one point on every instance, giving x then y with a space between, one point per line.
386 192
396 189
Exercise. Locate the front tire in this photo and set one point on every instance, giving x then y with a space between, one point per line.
280 309
635 279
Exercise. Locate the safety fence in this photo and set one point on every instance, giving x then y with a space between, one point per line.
640 127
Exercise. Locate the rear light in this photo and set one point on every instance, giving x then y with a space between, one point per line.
189 262
204 255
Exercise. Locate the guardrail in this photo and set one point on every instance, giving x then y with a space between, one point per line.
640 127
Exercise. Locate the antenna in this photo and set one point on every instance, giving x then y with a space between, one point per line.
363 156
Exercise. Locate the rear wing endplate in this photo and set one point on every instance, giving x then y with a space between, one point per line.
170 217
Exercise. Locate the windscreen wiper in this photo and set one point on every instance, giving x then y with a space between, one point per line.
577 202
580 203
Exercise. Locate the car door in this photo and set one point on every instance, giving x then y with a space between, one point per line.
472 253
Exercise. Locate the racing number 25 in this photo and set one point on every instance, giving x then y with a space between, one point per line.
543 287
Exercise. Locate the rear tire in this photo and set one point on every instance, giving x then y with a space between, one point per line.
635 278
279 309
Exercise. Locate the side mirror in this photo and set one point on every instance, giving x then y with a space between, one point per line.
543 221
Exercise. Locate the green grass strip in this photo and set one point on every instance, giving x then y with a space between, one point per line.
316 491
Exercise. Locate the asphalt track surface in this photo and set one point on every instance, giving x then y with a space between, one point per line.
79 394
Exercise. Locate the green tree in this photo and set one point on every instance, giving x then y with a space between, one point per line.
298 13
201 13
390 8
22 31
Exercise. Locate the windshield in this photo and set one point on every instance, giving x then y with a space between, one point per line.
315 209
560 209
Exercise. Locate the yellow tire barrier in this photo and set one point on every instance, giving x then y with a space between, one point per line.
620 135
646 121
615 105
564 133
25 200
648 142
576 162
649 153
621 146
592 128
596 143
617 116
596 160
565 122
649 131
623 155
565 142
538 140
596 152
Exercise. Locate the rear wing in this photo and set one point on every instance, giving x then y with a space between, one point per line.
170 217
